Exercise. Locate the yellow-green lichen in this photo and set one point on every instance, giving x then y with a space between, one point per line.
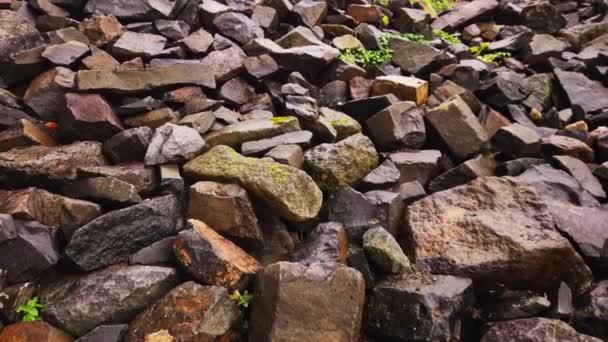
279 120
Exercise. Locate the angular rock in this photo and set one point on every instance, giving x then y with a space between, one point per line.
471 169
542 17
584 94
404 88
513 305
88 116
381 177
41 164
236 134
543 46
105 333
384 251
225 64
212 259
326 243
592 317
342 163
301 138
45 95
311 13
133 81
420 309
364 13
128 145
65 54
534 329
153 119
137 10
458 127
420 166
309 59
400 124
172 29
103 189
581 173
93 245
226 208
291 155
34 331
135 173
111 296
25 133
237 91
563 145
317 301
101 29
519 246
173 144
30 248
418 58
47 208
159 252
463 15
188 312
133 44
291 192
238 27
517 141
354 211
198 42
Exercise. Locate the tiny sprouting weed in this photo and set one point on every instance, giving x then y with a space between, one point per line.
30 310
242 299
385 20
446 37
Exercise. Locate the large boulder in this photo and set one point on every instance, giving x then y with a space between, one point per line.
113 295
320 302
94 245
190 312
288 190
494 231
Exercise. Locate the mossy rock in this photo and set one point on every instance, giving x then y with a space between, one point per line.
291 192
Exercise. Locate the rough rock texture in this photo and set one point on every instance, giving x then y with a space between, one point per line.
534 329
288 190
113 295
173 144
521 248
33 331
328 242
297 302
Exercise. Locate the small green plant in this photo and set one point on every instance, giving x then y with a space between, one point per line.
489 57
367 57
439 6
30 310
384 3
447 37
241 299
385 20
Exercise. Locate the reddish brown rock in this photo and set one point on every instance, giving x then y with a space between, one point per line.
25 134
494 231
45 95
88 117
225 64
364 13
212 259
36 331
321 302
47 208
152 119
101 29
100 60
190 312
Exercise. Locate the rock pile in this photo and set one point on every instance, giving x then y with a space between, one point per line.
303 170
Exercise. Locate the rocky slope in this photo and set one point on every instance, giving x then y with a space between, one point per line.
277 170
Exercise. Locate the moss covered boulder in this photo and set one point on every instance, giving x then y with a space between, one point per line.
291 192
342 163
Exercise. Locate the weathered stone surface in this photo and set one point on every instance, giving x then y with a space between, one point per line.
593 316
465 14
581 173
12 24
41 164
353 210
418 166
225 64
88 116
328 242
101 29
45 95
47 208
342 163
517 141
236 134
135 173
534 329
543 17
33 331
226 208
173 144
110 296
138 10
102 189
212 259
188 312
480 166
317 302
172 29
521 249
158 252
384 251
65 54
128 145
584 94
404 88
30 248
514 305
563 145
290 191
381 177
93 245
400 124
125 81
105 333
543 46
458 127
153 119
418 58
238 27
301 138
420 309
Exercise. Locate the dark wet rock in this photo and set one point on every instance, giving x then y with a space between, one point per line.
326 243
92 246
188 312
534 329
537 253
111 296
516 167
326 299
216 204
212 259
30 248
420 309
542 17
389 209
128 145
